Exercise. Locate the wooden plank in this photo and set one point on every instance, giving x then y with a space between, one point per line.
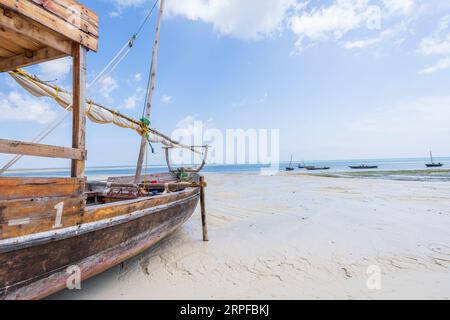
17 38
41 150
116 209
89 13
57 6
4 53
33 30
79 114
11 46
29 58
49 20
23 188
74 13
34 215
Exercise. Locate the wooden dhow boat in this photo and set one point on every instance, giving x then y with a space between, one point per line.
54 228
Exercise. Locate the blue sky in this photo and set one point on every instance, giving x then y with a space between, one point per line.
341 79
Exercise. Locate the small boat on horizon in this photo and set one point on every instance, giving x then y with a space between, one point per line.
302 165
313 168
363 167
290 167
433 164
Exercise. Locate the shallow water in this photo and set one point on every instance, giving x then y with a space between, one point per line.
338 166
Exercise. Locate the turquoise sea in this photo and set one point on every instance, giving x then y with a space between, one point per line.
386 169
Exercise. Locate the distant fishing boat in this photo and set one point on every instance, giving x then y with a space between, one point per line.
313 168
290 168
302 165
363 167
433 164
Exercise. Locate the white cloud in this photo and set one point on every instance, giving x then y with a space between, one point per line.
330 22
440 65
123 4
263 98
437 44
439 41
249 19
132 101
56 69
359 44
166 99
385 35
310 21
19 107
400 6
106 86
138 77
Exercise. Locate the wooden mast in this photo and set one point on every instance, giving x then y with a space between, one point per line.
151 91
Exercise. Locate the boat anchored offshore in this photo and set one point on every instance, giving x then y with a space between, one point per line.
290 167
433 164
48 225
313 168
363 167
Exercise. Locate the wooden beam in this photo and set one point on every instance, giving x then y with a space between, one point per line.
17 38
4 53
29 58
34 31
79 99
40 150
51 21
10 46
12 188
72 12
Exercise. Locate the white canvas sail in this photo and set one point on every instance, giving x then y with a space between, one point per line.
95 112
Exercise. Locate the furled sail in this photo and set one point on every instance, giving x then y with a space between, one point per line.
95 112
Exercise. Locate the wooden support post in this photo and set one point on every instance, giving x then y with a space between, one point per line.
203 208
79 115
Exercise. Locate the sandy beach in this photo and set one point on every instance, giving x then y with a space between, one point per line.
296 237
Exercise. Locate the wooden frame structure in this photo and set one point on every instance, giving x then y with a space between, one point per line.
36 31
31 32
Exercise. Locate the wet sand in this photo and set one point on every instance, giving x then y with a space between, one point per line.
296 237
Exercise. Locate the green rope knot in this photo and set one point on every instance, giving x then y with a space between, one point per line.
145 122
145 125
182 174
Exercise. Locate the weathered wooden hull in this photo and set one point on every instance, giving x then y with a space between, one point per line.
35 266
